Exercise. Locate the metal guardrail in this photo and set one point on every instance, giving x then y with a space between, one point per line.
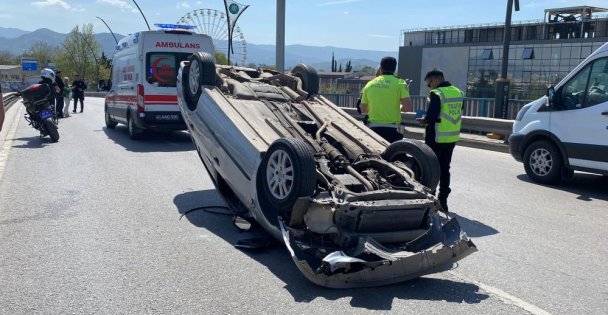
10 99
482 124
95 94
473 107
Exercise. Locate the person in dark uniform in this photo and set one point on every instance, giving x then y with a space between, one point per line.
442 126
78 87
59 97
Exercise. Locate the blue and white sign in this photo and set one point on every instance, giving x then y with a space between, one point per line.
29 64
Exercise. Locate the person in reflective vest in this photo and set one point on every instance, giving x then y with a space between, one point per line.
442 126
383 99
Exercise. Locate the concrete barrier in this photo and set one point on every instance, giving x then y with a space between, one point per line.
95 94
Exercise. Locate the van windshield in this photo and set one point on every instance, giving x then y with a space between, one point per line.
161 67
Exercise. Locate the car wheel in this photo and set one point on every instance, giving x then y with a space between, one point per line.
287 172
111 124
543 162
418 157
309 77
134 132
200 71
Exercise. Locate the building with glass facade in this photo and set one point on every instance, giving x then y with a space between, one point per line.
541 53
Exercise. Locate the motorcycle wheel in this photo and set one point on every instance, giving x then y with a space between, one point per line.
51 129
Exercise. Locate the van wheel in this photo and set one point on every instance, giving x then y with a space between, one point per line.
543 162
200 71
309 77
418 157
134 132
110 123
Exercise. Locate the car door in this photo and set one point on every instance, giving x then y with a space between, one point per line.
580 117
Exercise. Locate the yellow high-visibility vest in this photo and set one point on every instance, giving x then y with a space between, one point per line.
448 129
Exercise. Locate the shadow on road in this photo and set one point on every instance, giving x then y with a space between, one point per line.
586 186
35 142
157 141
278 261
474 228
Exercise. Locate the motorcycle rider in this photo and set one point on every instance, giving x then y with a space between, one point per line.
48 77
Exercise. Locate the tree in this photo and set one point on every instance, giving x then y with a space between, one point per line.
80 54
41 51
252 65
340 70
220 58
333 63
7 58
349 67
368 69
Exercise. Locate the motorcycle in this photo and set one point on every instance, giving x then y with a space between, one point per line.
41 115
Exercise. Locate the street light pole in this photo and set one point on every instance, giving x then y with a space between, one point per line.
104 22
142 14
280 43
503 84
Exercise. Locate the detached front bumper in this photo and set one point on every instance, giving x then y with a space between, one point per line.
443 245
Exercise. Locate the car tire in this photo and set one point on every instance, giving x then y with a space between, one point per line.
543 162
309 77
200 71
287 172
418 157
134 132
110 123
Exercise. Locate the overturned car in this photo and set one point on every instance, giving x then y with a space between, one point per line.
352 209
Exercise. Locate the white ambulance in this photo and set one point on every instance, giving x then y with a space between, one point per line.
144 75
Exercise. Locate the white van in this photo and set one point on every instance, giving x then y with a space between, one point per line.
566 130
144 75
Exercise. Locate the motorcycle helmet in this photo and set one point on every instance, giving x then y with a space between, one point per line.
48 73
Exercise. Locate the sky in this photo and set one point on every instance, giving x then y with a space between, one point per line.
357 24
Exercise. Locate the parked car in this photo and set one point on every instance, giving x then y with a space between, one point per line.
566 130
351 209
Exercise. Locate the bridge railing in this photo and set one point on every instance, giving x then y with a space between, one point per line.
473 107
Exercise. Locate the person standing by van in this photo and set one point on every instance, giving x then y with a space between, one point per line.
78 88
59 97
442 126
67 92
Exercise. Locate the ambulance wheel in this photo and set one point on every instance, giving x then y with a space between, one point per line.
134 132
418 157
110 123
309 77
199 72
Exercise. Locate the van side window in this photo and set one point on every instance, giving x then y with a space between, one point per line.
597 92
589 87
572 94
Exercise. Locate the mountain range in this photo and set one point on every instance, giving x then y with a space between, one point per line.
18 41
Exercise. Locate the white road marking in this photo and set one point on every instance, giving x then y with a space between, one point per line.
504 296
8 141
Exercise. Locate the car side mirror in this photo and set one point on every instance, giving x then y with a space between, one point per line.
550 96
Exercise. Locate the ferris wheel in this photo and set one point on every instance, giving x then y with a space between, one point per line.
214 23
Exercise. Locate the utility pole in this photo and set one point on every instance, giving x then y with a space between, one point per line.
280 44
503 85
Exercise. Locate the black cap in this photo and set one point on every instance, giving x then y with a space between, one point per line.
388 64
433 74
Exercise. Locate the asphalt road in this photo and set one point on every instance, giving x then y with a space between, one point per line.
91 224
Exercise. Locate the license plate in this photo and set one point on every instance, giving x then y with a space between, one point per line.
45 114
167 117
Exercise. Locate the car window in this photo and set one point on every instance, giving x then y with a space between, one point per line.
573 93
597 92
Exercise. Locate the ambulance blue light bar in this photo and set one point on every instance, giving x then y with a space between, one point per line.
175 26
